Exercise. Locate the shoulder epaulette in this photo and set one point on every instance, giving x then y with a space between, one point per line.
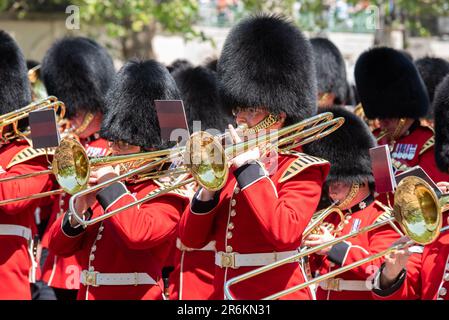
427 145
383 217
301 162
29 153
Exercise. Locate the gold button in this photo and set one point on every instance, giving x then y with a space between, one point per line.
229 235
230 226
233 202
91 257
228 249
99 237
91 268
61 203
237 190
443 291
446 277
94 248
101 228
233 213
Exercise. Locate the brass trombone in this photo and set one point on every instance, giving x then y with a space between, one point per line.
13 118
418 211
320 216
71 166
206 160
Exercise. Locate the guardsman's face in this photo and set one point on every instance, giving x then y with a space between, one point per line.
121 148
389 124
339 191
250 116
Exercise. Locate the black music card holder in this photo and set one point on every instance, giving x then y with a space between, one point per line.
44 129
172 120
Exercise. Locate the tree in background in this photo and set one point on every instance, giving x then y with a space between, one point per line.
134 23
412 17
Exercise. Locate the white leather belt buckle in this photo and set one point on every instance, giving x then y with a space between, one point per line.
15 230
235 260
95 279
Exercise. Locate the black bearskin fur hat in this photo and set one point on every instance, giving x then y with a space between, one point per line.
179 64
441 107
389 85
432 71
347 149
78 71
15 90
267 62
131 114
198 87
330 69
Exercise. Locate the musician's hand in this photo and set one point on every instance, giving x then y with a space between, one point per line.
252 154
82 204
313 240
443 186
103 174
395 262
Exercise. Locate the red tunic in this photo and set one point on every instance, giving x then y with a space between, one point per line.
15 261
193 276
257 213
408 150
63 272
353 250
136 240
427 276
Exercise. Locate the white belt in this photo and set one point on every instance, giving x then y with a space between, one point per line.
235 260
336 284
94 278
15 230
208 247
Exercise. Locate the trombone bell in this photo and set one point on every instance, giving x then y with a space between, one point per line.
206 159
71 166
417 209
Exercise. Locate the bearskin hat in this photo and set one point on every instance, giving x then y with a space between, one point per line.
432 71
211 63
78 71
131 114
389 85
347 149
198 87
15 90
179 64
441 107
330 69
267 62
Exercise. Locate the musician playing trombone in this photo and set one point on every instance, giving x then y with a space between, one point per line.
422 272
122 257
350 183
266 77
78 71
17 223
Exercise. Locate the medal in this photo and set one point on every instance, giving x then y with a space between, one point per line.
412 151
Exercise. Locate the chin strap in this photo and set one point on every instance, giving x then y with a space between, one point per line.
355 187
397 132
86 121
266 123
